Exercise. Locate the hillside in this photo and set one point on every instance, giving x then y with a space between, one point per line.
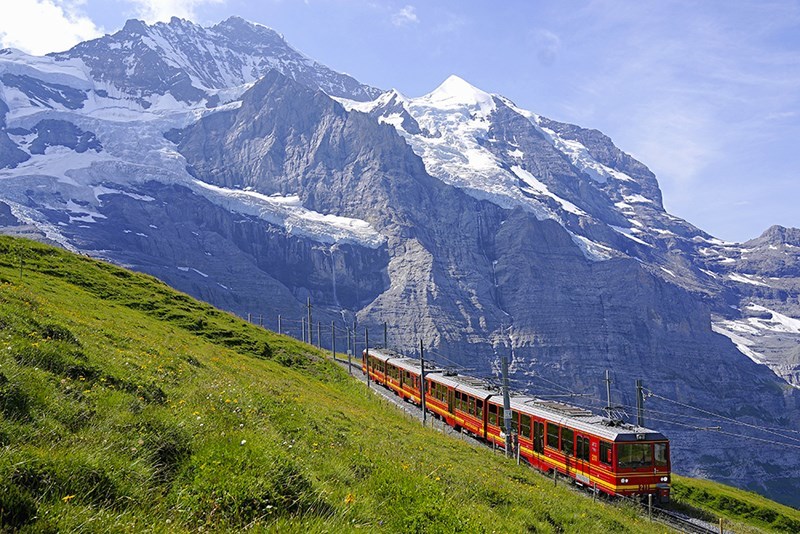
127 406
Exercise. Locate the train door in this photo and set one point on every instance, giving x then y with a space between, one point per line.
582 459
450 400
538 437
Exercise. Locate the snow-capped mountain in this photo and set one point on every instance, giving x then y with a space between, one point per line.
234 168
495 151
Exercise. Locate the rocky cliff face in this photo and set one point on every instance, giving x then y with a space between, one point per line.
228 165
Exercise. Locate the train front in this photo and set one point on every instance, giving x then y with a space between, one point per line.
642 465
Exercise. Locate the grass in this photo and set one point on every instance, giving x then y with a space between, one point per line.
742 507
126 406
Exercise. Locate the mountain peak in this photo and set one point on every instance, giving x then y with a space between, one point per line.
238 24
135 26
777 235
457 92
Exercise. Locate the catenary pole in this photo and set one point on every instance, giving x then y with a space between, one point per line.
366 352
422 381
310 324
639 403
349 352
506 406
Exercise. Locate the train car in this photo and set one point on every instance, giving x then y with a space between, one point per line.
610 456
459 400
613 457
374 361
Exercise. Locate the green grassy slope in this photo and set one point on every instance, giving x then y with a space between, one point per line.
126 406
743 507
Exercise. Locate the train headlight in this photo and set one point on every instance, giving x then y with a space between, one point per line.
664 479
624 480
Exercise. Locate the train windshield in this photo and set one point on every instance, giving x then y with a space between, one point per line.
633 455
661 454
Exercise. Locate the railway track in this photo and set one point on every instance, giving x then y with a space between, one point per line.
684 523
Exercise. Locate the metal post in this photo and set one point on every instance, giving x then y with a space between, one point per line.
333 340
594 491
349 352
310 324
261 320
639 404
506 406
248 317
421 380
516 445
650 506
355 335
608 394
366 353
303 329
721 530
280 331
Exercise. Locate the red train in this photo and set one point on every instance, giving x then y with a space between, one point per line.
615 458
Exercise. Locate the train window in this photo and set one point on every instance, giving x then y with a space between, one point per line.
587 449
552 435
514 422
471 406
661 454
605 452
525 425
634 455
479 408
538 437
493 415
582 448
567 440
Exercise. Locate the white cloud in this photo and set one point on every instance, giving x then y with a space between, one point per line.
548 45
162 10
407 15
42 26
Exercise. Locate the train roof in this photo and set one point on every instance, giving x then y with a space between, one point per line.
584 420
474 386
384 354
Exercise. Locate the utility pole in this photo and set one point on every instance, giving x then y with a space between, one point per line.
349 352
506 406
310 324
366 353
355 336
279 324
608 394
422 381
639 404
248 318
333 340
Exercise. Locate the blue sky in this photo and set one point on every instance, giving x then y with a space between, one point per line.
707 94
